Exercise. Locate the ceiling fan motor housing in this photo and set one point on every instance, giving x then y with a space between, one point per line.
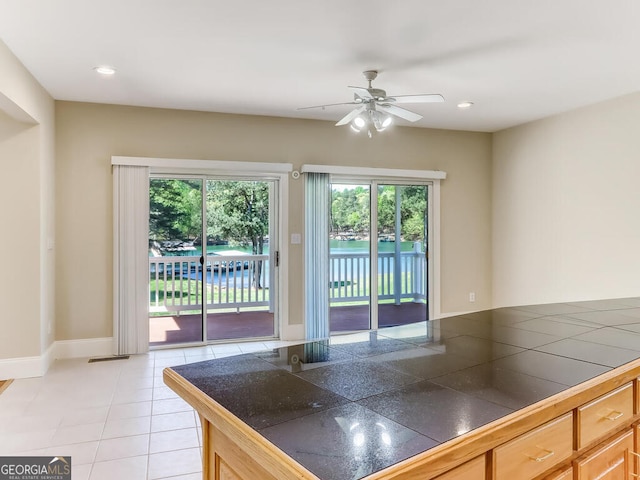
377 93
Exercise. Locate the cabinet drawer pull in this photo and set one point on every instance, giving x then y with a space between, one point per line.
614 415
548 454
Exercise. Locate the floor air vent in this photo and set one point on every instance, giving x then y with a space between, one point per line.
106 359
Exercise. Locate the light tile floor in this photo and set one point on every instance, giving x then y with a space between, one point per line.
116 419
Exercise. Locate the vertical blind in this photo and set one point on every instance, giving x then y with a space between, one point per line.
131 262
316 255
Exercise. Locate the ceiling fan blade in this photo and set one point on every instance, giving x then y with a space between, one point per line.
399 112
330 105
423 98
351 115
361 92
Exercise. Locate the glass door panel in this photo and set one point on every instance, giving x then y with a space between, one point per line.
175 271
402 256
349 258
241 248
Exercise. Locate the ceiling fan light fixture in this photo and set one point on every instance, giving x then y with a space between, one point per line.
359 122
465 105
380 120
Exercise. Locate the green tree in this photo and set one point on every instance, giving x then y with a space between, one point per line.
350 209
386 208
174 209
413 212
239 212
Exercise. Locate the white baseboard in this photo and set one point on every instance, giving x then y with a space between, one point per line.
37 366
454 314
21 367
47 358
87 347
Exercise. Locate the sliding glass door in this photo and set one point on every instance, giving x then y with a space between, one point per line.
212 248
392 290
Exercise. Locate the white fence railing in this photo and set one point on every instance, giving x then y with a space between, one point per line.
231 281
238 281
350 279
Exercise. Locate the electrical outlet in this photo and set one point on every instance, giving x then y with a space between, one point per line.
472 296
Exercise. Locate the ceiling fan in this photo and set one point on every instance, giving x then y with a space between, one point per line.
375 108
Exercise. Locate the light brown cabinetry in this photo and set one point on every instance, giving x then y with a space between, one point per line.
635 455
472 470
531 454
562 474
225 472
610 461
606 414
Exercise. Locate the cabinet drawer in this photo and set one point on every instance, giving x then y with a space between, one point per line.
529 455
472 470
607 462
603 415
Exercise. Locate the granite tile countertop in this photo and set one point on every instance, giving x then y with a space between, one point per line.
355 404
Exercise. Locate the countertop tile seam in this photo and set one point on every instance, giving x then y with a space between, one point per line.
538 349
475 396
558 356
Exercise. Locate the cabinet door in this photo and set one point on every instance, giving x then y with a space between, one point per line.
610 461
472 470
225 473
635 455
564 474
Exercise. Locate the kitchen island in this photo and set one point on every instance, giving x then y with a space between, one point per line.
539 391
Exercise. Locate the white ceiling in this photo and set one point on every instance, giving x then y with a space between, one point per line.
517 60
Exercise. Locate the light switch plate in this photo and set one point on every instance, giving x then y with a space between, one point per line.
296 239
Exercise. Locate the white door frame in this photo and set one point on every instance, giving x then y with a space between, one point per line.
433 229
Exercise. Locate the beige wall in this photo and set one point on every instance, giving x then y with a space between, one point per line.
27 288
19 285
565 206
87 135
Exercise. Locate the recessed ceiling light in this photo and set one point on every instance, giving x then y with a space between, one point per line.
105 70
463 105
